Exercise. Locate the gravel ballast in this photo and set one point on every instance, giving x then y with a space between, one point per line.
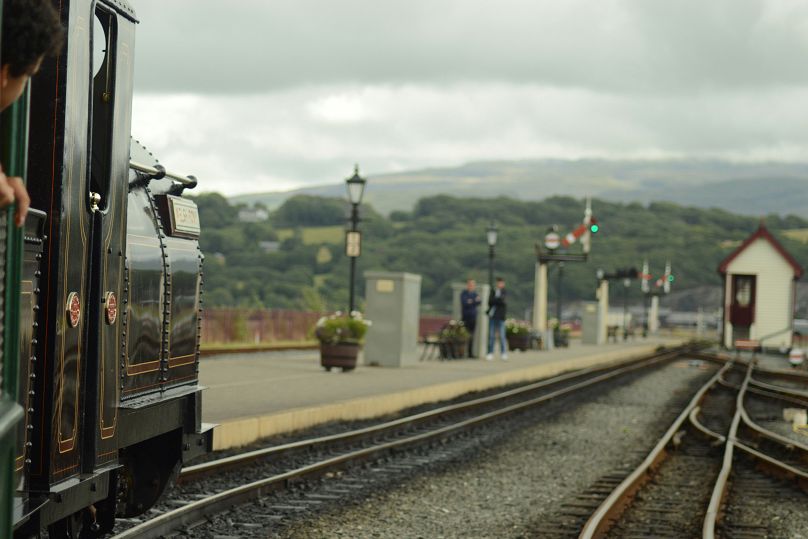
514 487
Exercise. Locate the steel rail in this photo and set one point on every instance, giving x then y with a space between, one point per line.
771 391
191 473
608 511
788 374
777 393
722 481
742 418
763 432
199 510
780 389
775 466
709 433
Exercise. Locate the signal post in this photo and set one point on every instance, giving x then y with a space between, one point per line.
551 253
663 286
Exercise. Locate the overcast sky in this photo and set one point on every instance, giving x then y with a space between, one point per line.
264 95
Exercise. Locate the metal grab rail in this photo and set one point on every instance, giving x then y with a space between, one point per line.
158 173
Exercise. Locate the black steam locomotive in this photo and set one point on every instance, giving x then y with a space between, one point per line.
110 288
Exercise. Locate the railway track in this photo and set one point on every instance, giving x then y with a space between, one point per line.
371 444
702 478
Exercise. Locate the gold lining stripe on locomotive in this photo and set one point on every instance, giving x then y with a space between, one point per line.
67 445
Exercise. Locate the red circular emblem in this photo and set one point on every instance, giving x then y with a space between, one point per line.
73 309
111 303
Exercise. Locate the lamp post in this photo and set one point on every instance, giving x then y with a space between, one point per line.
626 284
353 238
491 236
559 291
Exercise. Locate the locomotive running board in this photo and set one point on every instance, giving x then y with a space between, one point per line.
152 399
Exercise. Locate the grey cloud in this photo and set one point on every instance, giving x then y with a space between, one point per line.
241 144
618 46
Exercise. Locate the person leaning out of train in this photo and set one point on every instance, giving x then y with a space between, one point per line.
31 30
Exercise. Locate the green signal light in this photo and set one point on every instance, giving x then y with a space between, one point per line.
670 278
594 228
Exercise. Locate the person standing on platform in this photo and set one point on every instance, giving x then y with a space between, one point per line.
469 301
497 312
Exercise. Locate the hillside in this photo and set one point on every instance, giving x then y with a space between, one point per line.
743 188
443 239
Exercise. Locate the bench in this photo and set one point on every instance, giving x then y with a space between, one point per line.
611 333
431 346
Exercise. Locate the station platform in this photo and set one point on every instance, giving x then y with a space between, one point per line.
255 395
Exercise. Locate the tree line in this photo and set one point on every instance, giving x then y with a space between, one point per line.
443 240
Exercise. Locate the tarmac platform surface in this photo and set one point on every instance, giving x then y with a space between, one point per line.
255 395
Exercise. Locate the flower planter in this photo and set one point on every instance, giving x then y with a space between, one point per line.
342 355
459 347
561 338
518 342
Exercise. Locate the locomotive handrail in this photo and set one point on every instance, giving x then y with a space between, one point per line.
188 181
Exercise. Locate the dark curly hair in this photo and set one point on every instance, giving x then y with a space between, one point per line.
31 29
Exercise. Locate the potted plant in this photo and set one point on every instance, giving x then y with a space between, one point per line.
454 338
518 333
341 336
561 334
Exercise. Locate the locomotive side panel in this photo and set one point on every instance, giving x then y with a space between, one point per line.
186 266
45 164
143 311
112 113
68 258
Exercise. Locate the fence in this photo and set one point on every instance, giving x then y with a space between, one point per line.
431 325
222 326
257 326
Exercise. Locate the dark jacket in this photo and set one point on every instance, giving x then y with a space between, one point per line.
498 306
469 301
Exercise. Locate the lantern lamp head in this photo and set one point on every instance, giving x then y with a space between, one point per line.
356 186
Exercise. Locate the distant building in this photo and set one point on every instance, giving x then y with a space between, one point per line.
759 292
253 215
270 246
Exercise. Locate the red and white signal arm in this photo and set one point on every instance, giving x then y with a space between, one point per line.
353 243
552 241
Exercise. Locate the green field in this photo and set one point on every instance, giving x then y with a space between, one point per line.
797 234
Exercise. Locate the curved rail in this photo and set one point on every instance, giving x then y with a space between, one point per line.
199 510
605 515
611 509
721 483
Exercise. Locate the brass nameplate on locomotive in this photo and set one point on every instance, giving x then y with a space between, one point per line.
183 216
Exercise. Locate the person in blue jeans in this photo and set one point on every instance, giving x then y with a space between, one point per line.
469 301
497 312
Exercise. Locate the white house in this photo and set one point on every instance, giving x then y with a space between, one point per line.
253 215
759 292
